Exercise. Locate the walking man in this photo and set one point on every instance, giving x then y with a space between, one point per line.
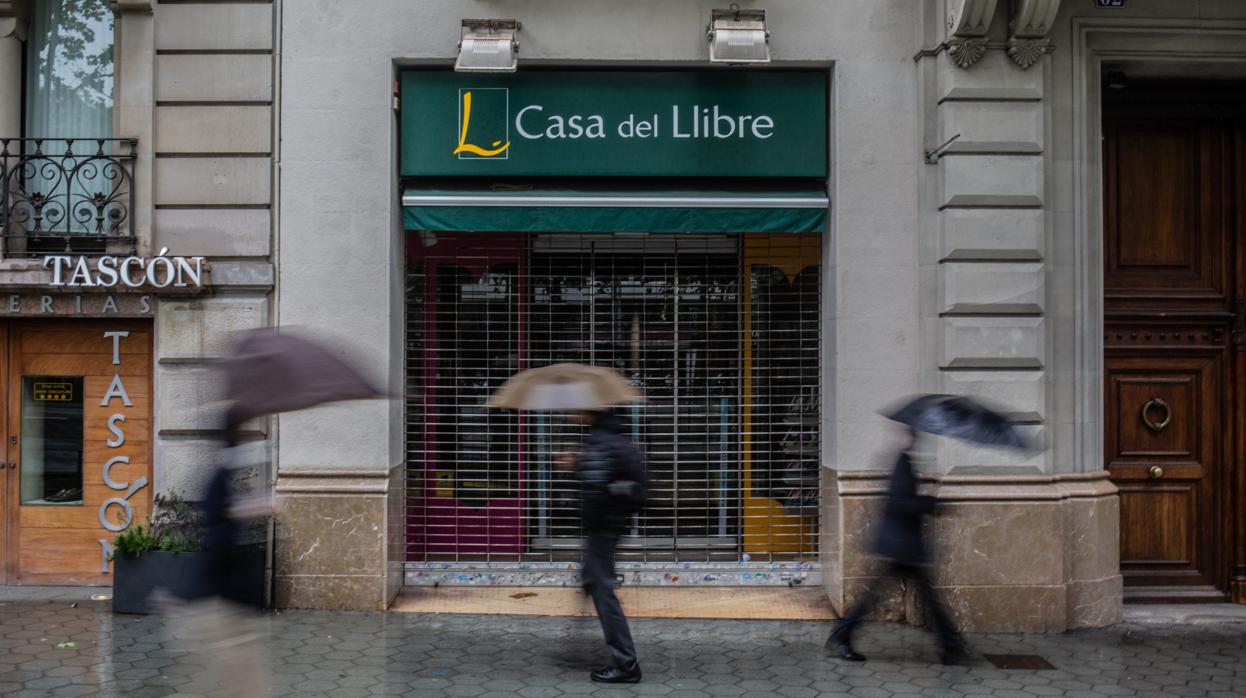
613 488
901 544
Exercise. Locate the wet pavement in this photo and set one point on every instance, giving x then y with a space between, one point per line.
67 645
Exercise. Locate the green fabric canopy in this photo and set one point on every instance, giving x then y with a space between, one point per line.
565 211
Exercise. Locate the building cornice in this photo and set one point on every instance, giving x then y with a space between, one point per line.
968 22
1030 30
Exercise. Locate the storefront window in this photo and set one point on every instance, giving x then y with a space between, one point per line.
666 316
51 440
720 333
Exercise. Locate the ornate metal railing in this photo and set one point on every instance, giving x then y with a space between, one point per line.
67 195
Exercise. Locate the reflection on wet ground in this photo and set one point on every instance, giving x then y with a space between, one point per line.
75 646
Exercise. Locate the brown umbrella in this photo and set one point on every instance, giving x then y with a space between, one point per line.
270 372
564 387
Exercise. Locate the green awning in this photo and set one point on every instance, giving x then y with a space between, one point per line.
515 210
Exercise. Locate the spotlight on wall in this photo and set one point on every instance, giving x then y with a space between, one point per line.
739 36
488 46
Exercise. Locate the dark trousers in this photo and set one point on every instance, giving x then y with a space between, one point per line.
915 574
599 579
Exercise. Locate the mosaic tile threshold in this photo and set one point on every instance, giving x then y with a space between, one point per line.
728 603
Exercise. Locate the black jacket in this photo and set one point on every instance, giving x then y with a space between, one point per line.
236 553
900 537
613 482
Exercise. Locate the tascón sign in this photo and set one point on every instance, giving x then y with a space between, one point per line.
160 271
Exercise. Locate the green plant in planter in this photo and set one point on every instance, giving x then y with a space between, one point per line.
134 541
175 528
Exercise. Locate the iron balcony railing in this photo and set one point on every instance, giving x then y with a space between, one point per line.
67 195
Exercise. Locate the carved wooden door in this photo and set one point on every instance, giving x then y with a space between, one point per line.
1171 280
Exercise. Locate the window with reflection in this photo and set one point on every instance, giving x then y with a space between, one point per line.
51 440
69 69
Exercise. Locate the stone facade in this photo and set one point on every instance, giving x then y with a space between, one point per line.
963 256
203 183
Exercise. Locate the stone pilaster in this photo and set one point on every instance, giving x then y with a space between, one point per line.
1020 551
12 35
1014 550
134 105
339 540
852 506
12 38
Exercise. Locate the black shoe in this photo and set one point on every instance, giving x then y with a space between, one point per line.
844 651
613 674
954 654
840 646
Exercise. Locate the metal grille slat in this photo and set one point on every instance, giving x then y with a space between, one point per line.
720 332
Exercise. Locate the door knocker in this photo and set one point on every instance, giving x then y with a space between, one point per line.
1156 403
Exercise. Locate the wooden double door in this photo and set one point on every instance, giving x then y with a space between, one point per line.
1175 337
75 424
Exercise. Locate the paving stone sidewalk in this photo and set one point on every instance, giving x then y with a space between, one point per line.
315 653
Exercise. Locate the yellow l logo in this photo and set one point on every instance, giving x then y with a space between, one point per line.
464 146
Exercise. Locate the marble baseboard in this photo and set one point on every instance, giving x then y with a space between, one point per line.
1013 551
892 602
331 592
1095 603
396 532
1007 609
335 539
830 550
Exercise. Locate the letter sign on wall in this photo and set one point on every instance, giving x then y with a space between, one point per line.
615 123
116 394
160 271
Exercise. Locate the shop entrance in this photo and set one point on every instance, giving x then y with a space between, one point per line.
721 334
1175 332
76 424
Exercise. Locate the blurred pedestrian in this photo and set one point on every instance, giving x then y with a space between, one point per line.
235 508
613 486
901 544
225 626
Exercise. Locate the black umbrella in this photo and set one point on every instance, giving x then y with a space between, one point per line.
961 418
270 372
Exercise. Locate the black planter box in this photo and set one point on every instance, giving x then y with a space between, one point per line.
186 576
135 577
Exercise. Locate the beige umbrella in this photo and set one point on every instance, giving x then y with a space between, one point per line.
564 387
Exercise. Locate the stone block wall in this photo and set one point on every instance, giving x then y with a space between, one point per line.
204 105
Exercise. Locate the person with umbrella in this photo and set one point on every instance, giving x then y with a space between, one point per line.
900 541
268 372
612 486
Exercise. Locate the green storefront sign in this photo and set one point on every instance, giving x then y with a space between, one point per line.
614 124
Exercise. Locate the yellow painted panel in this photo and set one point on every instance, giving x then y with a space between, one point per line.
768 529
